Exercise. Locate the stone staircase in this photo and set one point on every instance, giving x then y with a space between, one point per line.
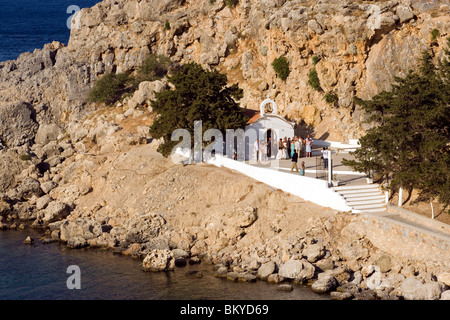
363 198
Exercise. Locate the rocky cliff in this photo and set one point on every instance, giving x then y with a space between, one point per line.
359 45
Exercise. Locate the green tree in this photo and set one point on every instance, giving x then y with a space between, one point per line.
281 67
198 94
410 145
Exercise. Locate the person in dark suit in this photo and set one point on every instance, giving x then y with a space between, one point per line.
294 161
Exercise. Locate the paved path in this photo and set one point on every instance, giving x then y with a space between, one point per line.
344 174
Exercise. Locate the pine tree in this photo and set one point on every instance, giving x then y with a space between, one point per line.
411 143
198 95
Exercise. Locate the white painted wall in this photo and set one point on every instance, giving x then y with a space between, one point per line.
276 123
307 188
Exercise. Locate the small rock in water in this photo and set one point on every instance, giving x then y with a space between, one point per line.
197 274
285 287
336 295
28 240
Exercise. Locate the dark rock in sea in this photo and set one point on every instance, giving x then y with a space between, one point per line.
180 262
194 260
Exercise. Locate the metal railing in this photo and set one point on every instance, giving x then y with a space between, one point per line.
321 171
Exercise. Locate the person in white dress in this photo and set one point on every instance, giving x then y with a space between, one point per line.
280 150
256 150
297 145
263 151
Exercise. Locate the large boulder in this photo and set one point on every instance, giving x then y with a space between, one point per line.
404 13
266 269
17 124
307 272
444 278
315 26
291 269
47 133
55 211
146 93
28 188
159 260
82 227
314 252
325 282
415 289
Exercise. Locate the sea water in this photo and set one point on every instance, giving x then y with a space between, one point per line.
26 25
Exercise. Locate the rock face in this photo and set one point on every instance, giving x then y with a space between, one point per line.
143 228
17 124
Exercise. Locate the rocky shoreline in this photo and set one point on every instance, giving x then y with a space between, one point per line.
312 261
332 256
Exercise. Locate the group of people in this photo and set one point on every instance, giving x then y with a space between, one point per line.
287 149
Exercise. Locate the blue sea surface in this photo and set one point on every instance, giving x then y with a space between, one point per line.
26 25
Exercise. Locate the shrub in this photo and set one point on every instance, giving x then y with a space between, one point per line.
231 3
25 157
313 79
331 98
315 60
281 67
153 68
109 88
167 25
434 34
